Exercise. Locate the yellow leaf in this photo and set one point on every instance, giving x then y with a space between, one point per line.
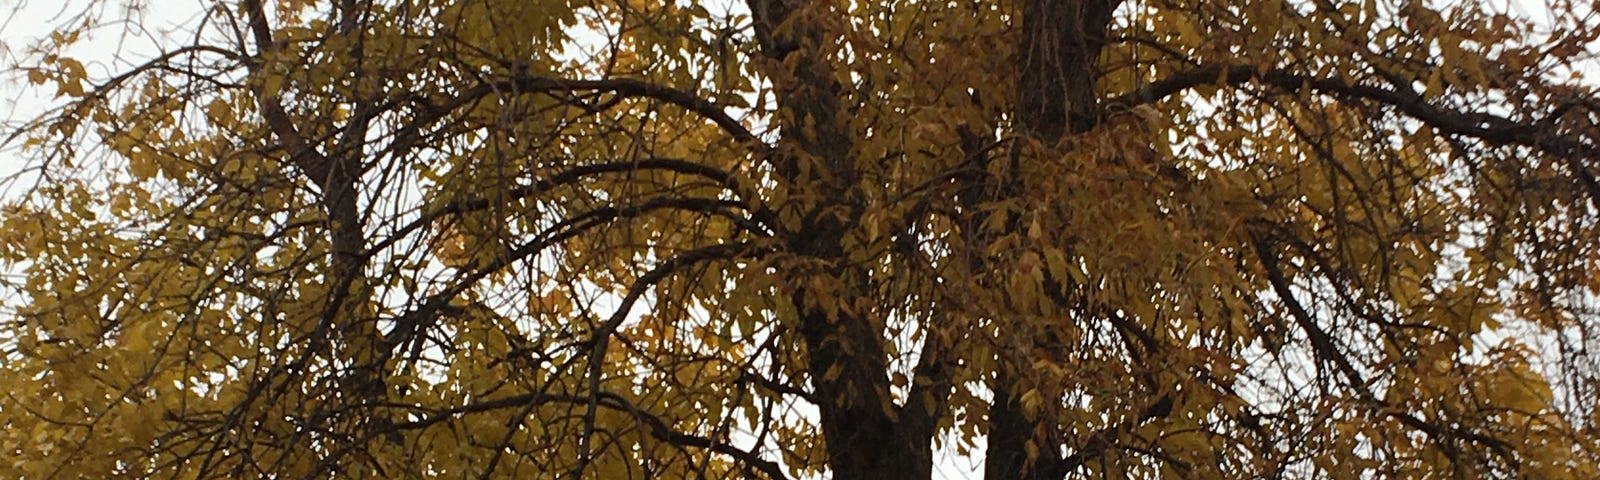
219 110
71 87
1030 402
142 167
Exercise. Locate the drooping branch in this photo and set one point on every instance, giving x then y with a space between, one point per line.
430 112
1322 343
658 428
1326 349
759 222
600 340
1492 129
408 324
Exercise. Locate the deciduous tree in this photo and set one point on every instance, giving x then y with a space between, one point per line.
793 239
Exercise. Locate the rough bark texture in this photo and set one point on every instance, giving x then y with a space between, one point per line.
1055 65
1055 96
868 437
845 352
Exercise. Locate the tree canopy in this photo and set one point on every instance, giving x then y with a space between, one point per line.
790 239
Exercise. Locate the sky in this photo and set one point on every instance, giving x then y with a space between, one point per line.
112 48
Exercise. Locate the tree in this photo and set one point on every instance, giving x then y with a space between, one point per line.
788 239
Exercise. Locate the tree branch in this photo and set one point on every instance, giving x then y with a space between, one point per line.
601 338
1492 129
657 427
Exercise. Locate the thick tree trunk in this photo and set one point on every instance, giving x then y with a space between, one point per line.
867 436
1060 42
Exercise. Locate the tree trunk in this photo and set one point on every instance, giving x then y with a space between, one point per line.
866 436
1056 77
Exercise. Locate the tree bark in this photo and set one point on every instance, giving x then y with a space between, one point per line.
1060 42
866 436
846 358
